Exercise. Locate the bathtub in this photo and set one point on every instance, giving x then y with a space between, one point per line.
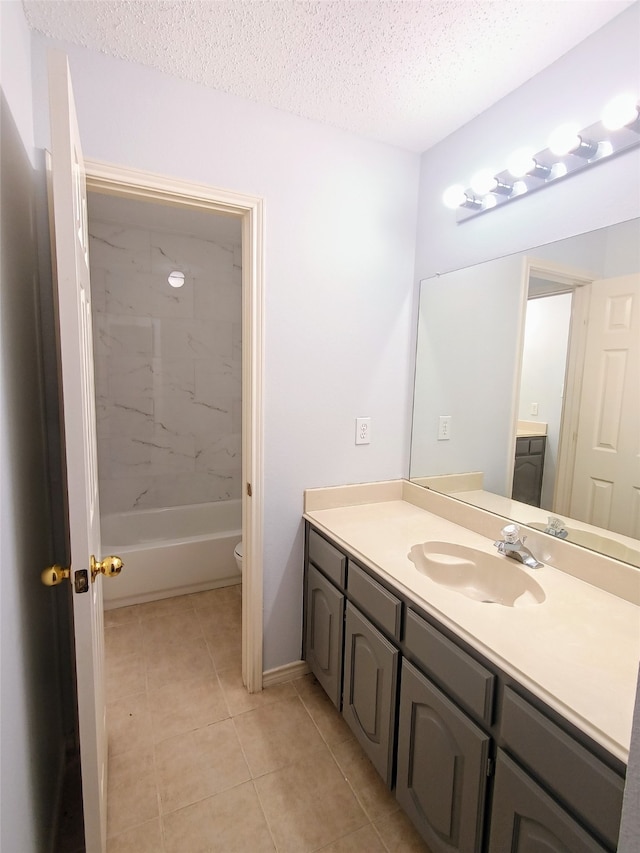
171 551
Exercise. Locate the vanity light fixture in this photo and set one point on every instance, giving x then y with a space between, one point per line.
568 139
570 150
456 196
622 111
176 278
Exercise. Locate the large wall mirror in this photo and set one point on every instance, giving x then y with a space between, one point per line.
527 388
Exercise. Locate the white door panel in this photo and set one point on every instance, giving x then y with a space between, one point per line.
606 482
69 226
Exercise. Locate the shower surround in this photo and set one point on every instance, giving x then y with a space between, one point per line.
168 367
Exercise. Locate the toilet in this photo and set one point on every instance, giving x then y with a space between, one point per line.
237 553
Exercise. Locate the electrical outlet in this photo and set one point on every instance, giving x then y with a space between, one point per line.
363 430
444 427
534 408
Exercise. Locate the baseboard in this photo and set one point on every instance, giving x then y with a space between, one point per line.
127 601
288 672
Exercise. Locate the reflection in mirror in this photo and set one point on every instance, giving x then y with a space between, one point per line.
534 361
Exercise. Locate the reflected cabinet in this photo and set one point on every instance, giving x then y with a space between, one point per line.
529 469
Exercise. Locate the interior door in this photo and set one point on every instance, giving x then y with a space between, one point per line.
606 480
69 230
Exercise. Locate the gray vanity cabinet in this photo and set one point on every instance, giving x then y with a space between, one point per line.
324 632
580 783
524 818
369 693
442 766
528 470
434 724
324 613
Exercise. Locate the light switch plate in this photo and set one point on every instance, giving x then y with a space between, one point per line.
444 427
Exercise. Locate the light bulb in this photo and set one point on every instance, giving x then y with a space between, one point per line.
521 162
454 196
519 188
176 279
620 111
489 201
565 139
483 182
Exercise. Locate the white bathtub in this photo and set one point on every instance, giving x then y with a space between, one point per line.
171 551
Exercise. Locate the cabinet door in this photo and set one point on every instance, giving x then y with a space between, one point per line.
325 623
442 767
527 474
525 818
370 680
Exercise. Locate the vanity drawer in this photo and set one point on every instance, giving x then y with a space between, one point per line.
586 785
530 446
457 672
536 445
327 558
374 600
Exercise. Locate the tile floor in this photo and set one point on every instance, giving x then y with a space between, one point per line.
198 765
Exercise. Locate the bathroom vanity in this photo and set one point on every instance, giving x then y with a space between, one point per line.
529 469
501 725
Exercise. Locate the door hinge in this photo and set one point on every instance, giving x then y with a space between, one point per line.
491 766
249 490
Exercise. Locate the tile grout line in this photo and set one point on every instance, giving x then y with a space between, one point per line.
264 814
156 776
340 770
358 799
296 693
252 780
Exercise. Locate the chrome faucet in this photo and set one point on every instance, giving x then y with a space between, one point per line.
512 546
555 527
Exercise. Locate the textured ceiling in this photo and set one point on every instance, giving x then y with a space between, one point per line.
404 72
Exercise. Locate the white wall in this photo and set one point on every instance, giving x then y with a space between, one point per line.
576 87
622 250
544 360
31 728
340 227
16 69
466 367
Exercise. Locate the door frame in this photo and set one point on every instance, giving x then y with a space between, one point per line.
577 282
148 186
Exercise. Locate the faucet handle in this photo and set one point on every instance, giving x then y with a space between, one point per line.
555 526
511 533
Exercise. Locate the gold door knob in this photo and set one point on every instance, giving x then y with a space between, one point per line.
53 575
109 567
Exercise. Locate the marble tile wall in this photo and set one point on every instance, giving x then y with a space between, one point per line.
168 368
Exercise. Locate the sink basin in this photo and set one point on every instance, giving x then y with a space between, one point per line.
596 542
478 575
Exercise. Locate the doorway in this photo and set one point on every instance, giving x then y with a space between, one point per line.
554 324
542 381
247 211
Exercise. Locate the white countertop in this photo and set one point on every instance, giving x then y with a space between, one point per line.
578 651
531 428
605 541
